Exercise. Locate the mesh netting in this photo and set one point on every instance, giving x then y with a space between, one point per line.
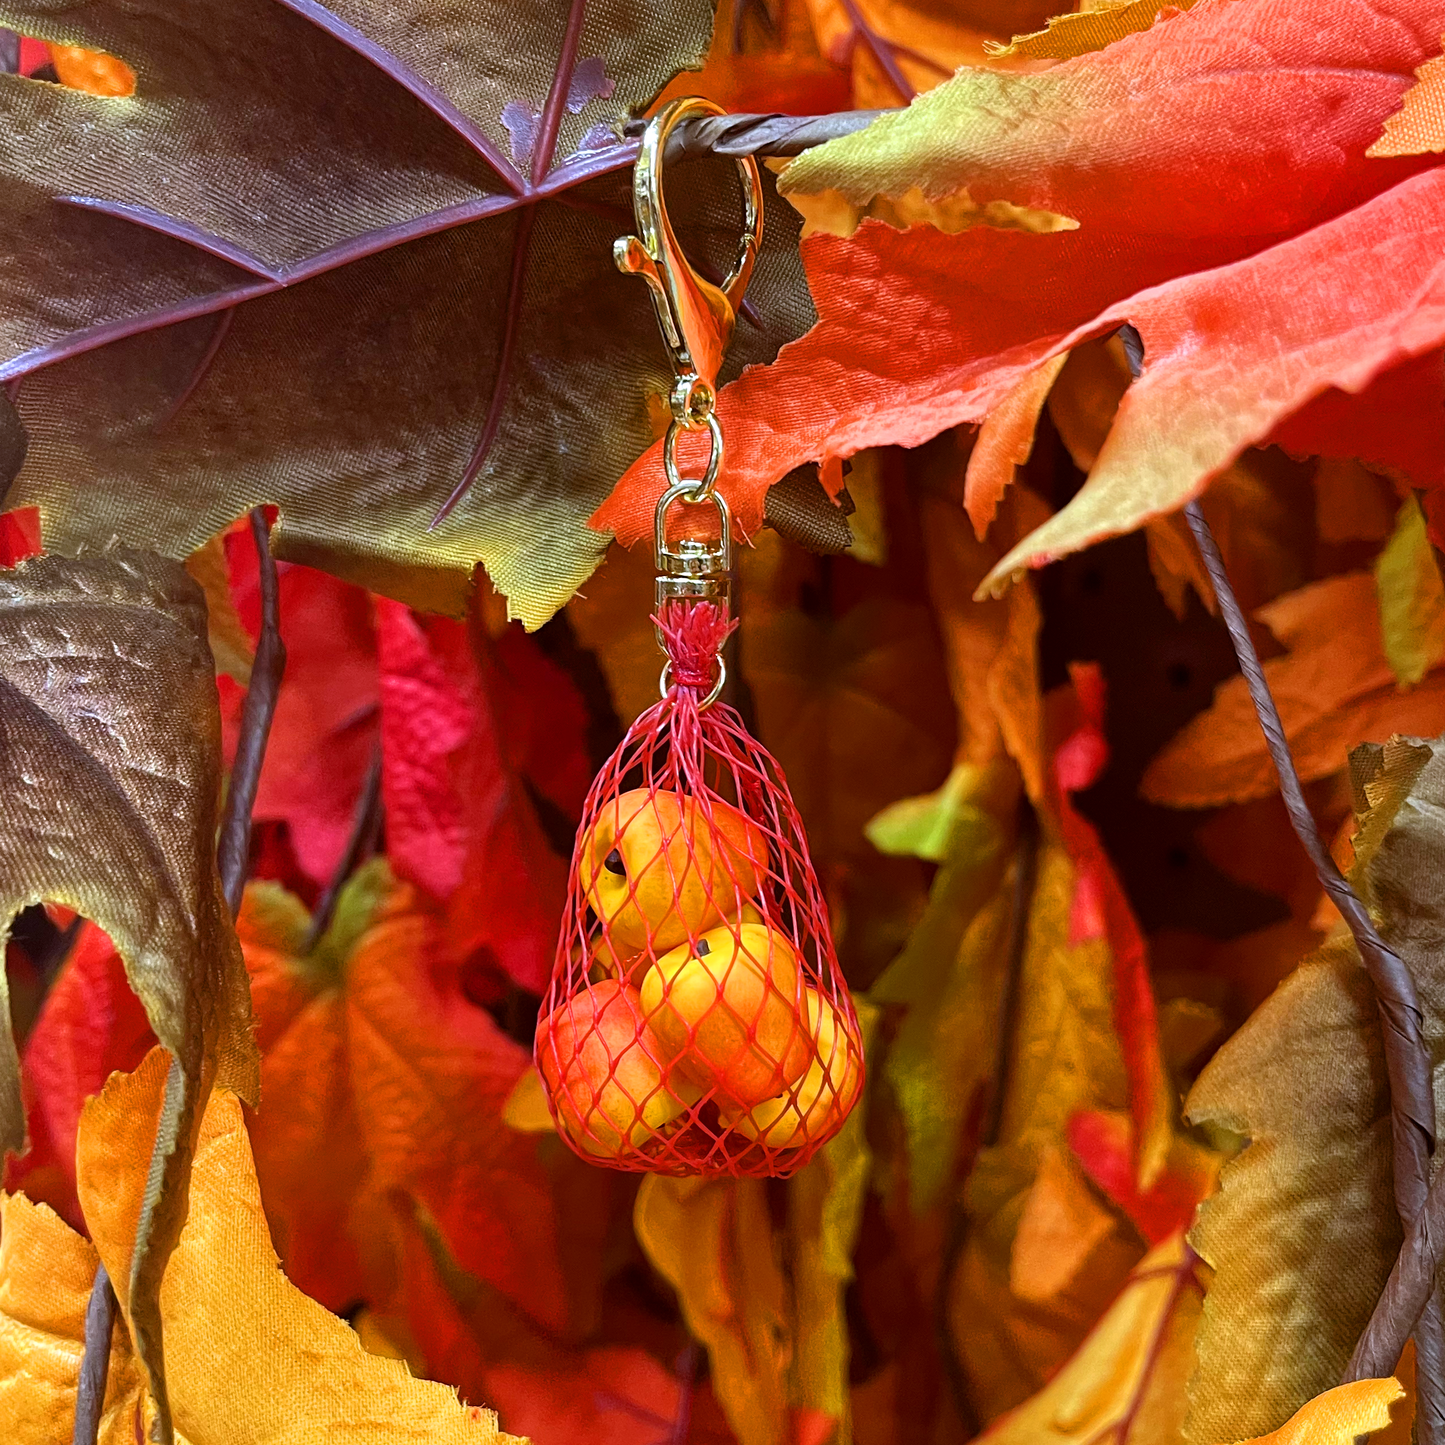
697 1022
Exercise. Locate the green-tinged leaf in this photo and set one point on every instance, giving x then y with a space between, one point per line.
1304 1229
110 768
951 977
1412 598
343 282
924 827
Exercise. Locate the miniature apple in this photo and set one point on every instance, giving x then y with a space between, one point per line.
726 1010
604 1072
814 1110
659 868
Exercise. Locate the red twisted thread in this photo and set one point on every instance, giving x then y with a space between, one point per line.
694 633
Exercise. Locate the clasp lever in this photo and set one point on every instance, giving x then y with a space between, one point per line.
697 317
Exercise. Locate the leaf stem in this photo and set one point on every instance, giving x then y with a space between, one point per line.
95 1363
755 134
233 849
362 842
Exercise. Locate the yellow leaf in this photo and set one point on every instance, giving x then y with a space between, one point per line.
1064 1057
612 617
713 1241
1339 1416
1419 125
526 1108
1128 1376
46 1271
924 827
250 1360
1088 29
1303 1229
1411 597
230 642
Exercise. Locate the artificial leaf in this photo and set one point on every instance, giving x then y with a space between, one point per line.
475 733
924 827
92 71
772 65
12 441
231 644
1004 442
1103 1142
920 331
19 536
1208 390
776 1338
612 616
1126 1381
1339 1416
285 1368
375 1059
46 1275
712 1240
1334 688
1101 909
1303 1229
1416 126
897 49
1090 29
1064 1055
1411 597
111 774
91 1025
325 727
825 1204
951 975
851 699
350 284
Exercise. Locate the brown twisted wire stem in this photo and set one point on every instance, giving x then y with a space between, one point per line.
232 854
1406 1305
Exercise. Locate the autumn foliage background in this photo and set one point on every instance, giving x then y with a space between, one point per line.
1098 977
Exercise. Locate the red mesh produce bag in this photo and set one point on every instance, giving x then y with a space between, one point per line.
696 1022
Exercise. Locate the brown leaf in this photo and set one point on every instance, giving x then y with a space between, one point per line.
1304 1229
111 773
347 283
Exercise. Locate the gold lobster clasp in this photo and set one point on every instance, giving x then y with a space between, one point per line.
696 316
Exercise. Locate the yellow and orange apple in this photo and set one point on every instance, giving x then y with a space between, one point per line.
824 1096
604 1071
659 868
726 1011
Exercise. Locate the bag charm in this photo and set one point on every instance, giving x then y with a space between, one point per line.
697 1021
